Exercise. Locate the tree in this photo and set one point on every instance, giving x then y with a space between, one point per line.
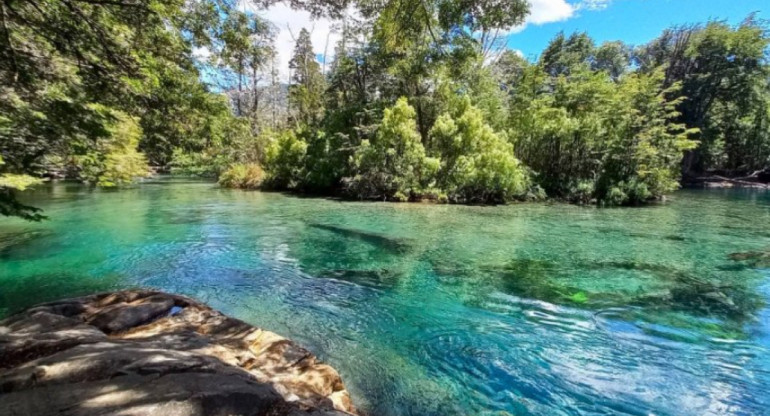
306 91
393 165
247 48
9 184
587 137
724 75
563 55
114 161
645 144
285 161
477 165
613 58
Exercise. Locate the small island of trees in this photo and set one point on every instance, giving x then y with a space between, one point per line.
420 100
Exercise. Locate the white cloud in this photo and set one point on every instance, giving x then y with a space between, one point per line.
545 11
201 53
551 11
593 4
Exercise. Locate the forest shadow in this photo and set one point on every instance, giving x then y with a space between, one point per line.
14 244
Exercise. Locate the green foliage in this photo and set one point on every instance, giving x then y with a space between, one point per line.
202 164
477 165
723 72
596 139
420 102
563 55
284 161
306 92
18 182
243 176
63 62
558 133
613 58
114 161
583 192
393 165
9 183
642 159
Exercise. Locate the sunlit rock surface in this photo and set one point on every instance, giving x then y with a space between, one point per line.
146 352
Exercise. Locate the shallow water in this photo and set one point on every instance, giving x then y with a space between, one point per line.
529 309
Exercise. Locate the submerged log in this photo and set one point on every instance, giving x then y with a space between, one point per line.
144 352
758 179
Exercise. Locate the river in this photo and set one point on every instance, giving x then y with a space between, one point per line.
528 309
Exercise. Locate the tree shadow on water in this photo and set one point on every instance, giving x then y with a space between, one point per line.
20 293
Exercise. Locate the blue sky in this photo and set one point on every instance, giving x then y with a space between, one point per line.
632 21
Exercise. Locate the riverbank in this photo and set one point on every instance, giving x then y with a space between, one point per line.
755 180
718 182
149 352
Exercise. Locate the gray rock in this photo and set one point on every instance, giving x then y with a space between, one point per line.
147 353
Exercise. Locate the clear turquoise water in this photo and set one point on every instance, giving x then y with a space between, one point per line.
528 309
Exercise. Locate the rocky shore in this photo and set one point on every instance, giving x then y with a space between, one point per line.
151 353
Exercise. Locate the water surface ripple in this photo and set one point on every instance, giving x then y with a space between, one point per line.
531 309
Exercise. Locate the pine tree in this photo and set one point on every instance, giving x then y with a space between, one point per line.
306 91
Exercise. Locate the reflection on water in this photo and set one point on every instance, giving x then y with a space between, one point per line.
444 310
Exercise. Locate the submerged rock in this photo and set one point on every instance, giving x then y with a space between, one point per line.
759 259
145 353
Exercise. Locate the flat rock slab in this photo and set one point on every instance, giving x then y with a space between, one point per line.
143 352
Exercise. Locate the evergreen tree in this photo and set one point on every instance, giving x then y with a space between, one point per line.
307 88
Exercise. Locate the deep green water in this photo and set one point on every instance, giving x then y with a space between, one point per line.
528 309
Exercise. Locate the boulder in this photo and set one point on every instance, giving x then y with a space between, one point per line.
143 352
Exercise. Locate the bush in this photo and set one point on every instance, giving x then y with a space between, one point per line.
536 193
477 164
582 193
285 160
616 196
243 176
399 197
633 192
393 165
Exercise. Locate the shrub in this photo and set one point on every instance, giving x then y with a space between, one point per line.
399 197
477 164
616 196
536 193
582 193
243 176
285 160
393 165
206 164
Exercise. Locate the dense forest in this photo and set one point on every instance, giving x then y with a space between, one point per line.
419 100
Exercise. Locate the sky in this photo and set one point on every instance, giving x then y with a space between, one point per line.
632 21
